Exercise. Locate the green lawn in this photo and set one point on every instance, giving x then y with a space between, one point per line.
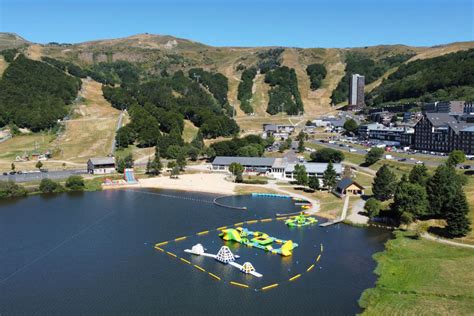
421 277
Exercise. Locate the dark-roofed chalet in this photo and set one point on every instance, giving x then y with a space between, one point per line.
349 186
102 165
444 132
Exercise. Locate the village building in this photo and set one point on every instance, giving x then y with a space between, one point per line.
278 168
103 165
347 186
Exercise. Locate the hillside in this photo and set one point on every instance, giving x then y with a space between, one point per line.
153 55
11 40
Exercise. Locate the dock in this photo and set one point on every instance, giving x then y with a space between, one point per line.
343 215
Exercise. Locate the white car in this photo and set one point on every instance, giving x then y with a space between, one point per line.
352 150
419 162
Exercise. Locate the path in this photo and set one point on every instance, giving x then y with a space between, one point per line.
114 142
345 208
315 203
355 216
445 241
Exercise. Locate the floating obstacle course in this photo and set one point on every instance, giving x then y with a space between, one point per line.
300 221
258 240
160 247
224 256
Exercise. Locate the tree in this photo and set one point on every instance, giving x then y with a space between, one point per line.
442 189
124 163
198 140
347 172
419 175
351 126
193 153
301 175
75 183
456 157
385 184
373 206
374 155
301 138
49 186
313 183
174 172
236 168
181 161
327 155
329 177
39 164
410 198
13 166
458 223
11 190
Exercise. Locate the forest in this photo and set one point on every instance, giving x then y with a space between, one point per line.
448 77
244 92
316 73
270 59
216 83
284 94
158 108
34 94
359 63
248 146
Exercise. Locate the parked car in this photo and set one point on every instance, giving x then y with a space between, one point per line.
12 172
402 159
5 173
419 162
466 167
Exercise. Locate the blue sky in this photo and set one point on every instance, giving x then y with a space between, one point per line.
301 23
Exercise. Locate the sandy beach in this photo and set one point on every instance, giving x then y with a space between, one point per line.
199 182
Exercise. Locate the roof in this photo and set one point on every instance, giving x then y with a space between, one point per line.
469 129
269 127
345 183
245 161
102 161
314 167
446 119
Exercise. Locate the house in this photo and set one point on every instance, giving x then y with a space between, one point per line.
101 165
349 186
277 130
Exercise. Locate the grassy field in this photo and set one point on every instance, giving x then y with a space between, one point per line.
189 131
421 277
3 65
91 131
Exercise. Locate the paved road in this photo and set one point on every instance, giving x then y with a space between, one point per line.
36 176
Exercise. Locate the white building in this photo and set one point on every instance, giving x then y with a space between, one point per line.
278 168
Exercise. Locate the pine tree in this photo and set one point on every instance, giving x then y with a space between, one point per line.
330 177
313 183
181 161
301 138
385 184
456 215
198 141
441 189
419 175
301 175
410 197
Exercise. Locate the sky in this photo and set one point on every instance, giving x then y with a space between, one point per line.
296 23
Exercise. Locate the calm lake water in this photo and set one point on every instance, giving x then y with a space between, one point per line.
92 253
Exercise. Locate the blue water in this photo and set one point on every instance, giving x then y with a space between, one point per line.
92 253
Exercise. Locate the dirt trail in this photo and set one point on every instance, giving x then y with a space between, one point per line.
3 65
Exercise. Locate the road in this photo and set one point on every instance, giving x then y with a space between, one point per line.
37 176
114 142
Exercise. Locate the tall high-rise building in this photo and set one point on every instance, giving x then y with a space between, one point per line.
356 91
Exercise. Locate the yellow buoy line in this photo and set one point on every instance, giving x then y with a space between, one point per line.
158 247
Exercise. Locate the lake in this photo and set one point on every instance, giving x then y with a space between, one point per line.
93 253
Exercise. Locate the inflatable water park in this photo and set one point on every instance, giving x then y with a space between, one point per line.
259 240
225 256
300 221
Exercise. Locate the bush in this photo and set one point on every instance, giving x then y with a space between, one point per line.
49 186
75 183
373 206
327 155
11 190
254 181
